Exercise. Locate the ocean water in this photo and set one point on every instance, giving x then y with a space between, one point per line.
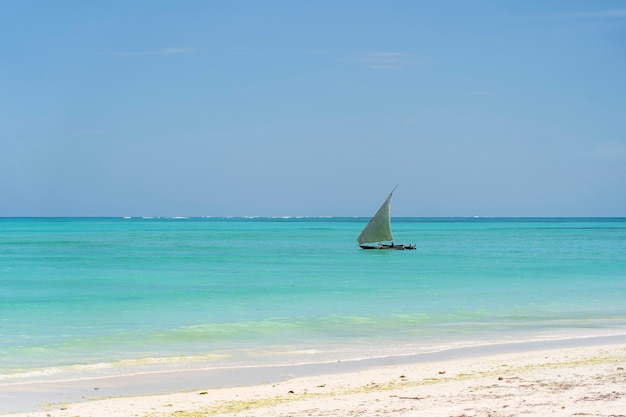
84 297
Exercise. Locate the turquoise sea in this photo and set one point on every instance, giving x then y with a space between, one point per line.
86 297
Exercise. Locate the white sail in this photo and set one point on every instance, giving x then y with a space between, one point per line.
379 227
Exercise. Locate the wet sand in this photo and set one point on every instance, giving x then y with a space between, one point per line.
566 378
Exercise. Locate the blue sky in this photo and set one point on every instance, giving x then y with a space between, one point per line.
272 108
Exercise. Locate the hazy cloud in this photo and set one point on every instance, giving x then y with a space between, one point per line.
602 13
90 132
166 51
388 60
612 150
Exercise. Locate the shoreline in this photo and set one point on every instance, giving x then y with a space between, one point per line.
30 398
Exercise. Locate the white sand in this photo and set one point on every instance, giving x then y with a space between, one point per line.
581 381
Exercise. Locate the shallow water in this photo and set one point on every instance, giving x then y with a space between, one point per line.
107 296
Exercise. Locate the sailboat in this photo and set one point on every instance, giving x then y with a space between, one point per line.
379 229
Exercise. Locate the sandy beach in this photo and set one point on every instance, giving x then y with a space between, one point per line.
567 381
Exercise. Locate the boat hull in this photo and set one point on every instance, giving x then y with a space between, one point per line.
389 247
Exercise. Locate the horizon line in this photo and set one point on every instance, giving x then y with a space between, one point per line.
286 217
